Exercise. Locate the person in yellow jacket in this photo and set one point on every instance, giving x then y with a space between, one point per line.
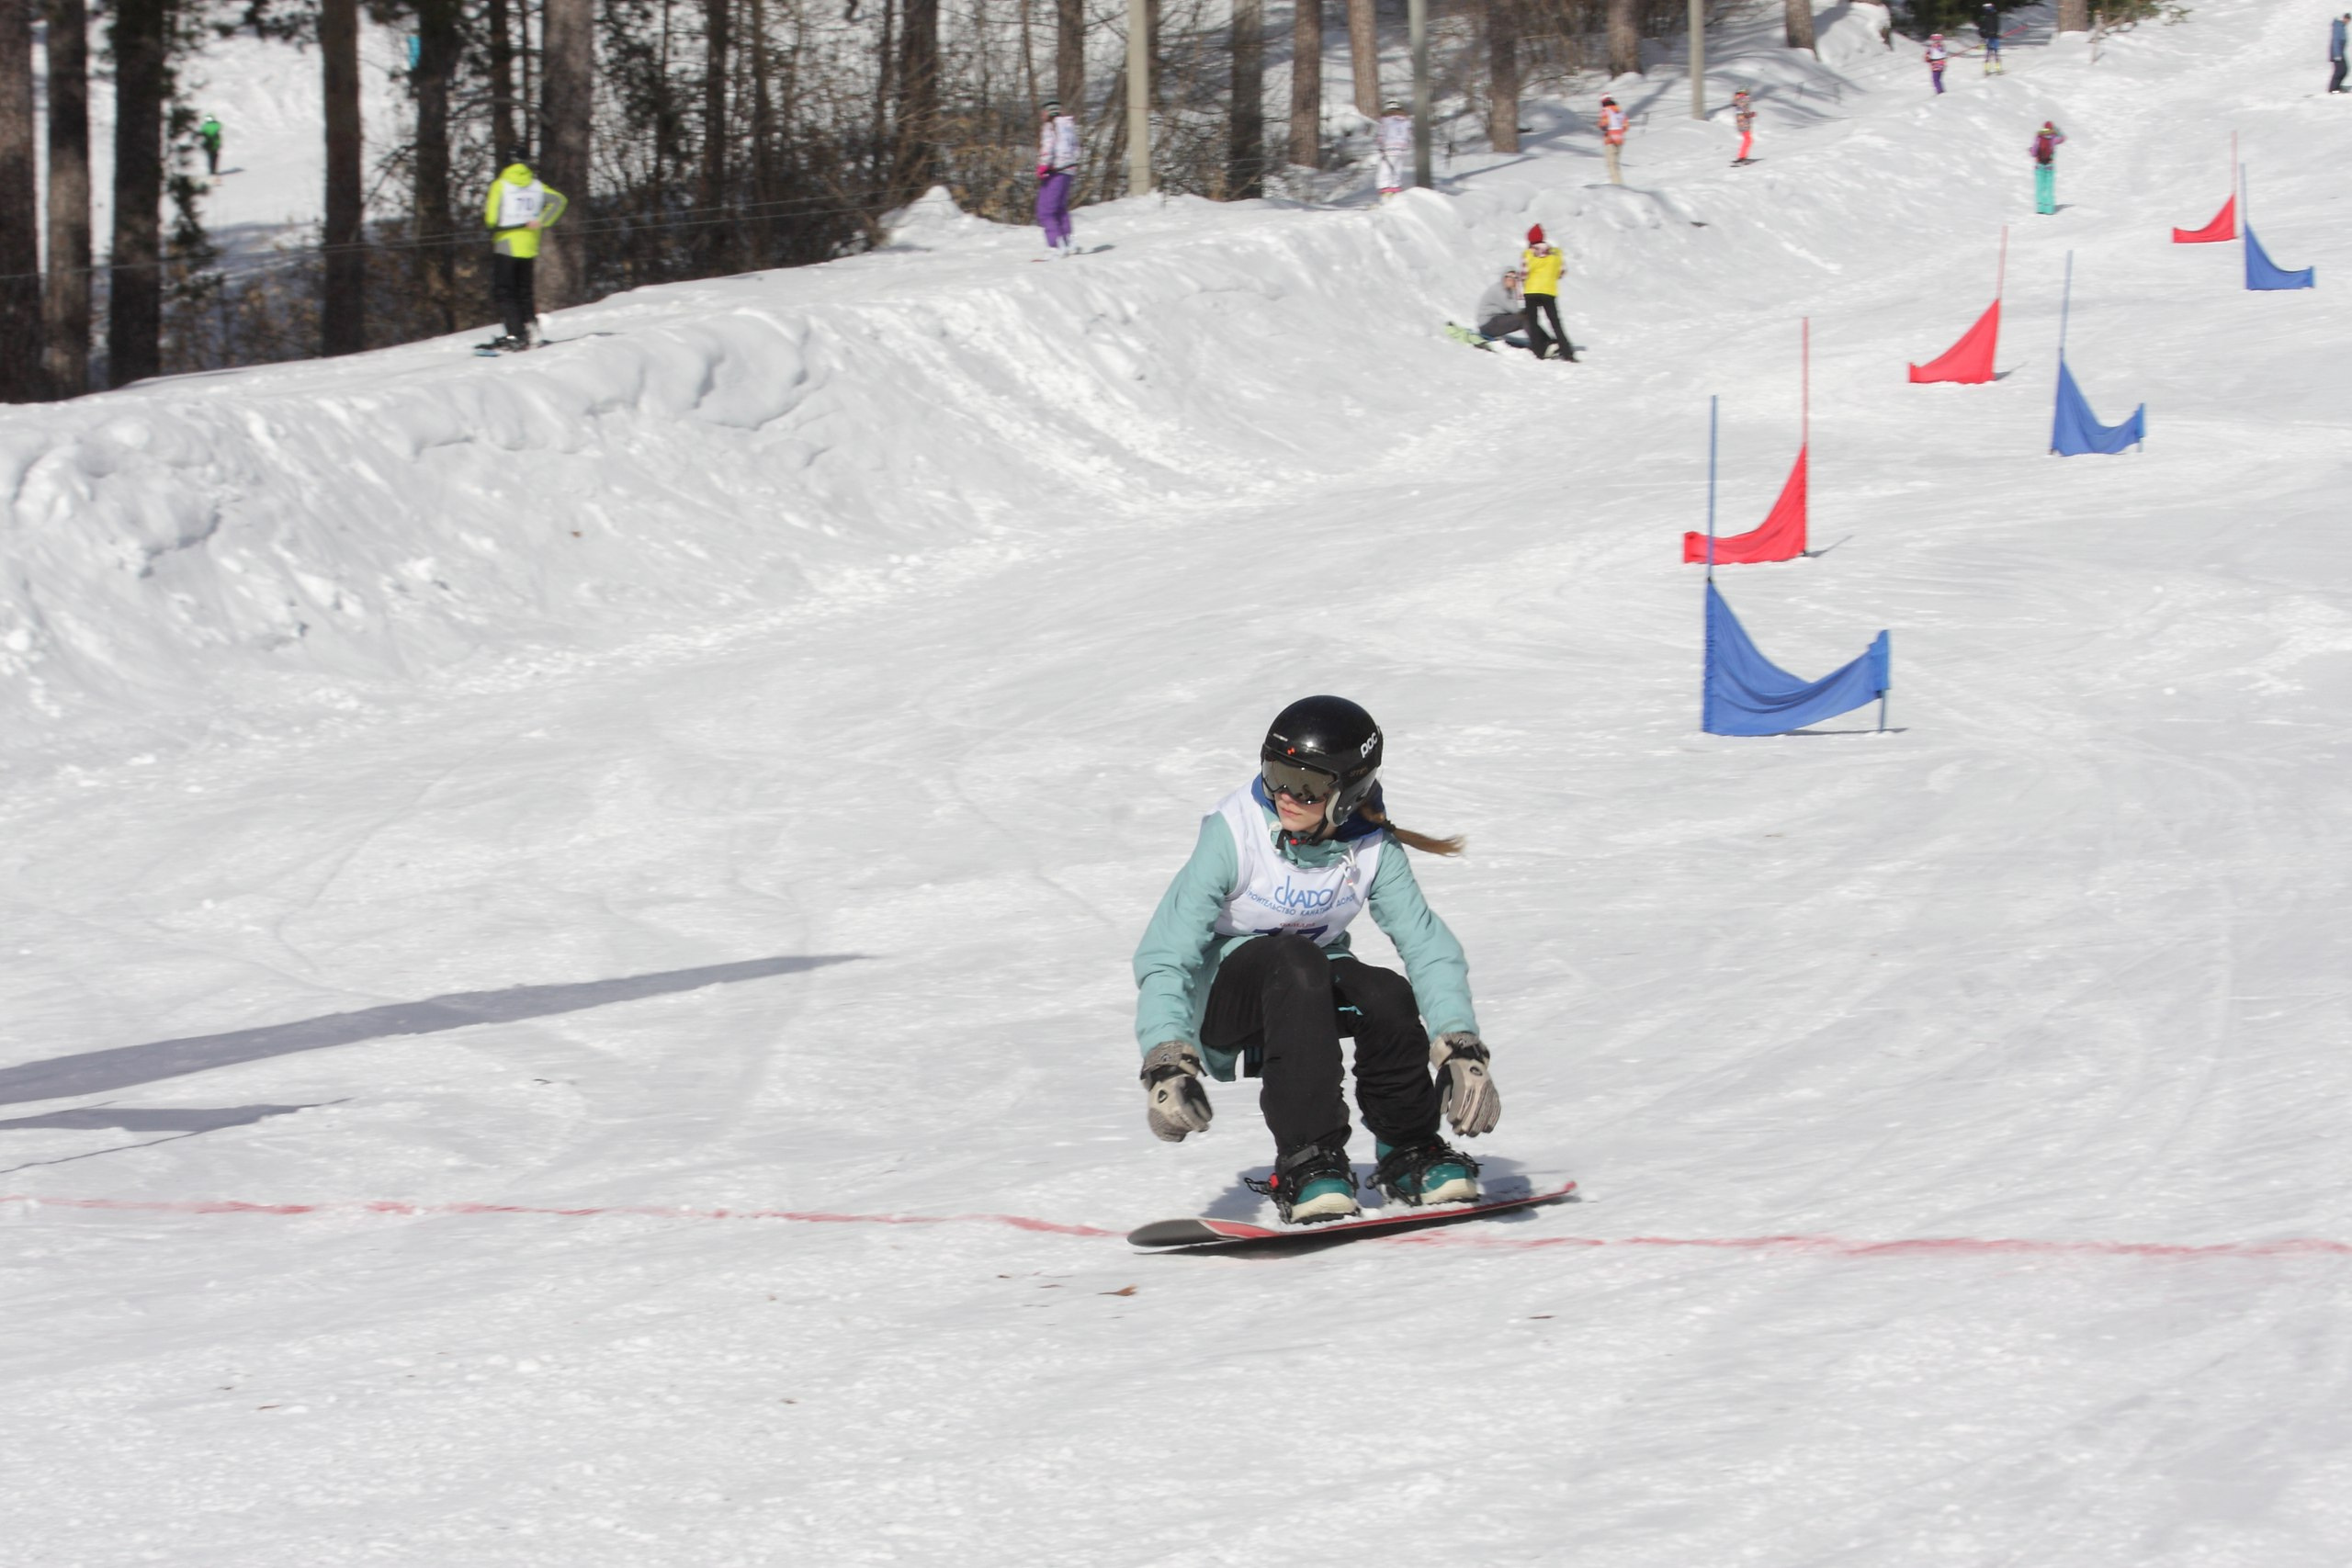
516 209
1539 291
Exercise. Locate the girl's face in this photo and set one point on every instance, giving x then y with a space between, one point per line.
1296 817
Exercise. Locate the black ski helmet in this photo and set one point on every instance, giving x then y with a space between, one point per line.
1327 747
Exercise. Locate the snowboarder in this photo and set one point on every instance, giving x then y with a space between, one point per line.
209 135
1612 137
2044 148
517 209
1058 155
1539 286
1246 965
1937 57
1500 314
1395 148
2336 50
1988 28
1743 115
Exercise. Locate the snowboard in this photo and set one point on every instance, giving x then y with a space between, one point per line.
1227 1235
1463 334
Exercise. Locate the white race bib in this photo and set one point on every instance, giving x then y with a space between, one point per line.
519 205
1271 894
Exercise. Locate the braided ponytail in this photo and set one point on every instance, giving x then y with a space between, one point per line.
1407 837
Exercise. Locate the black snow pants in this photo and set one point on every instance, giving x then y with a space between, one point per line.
2336 75
509 290
1539 306
1288 1001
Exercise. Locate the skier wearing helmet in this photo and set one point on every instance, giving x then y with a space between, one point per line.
1936 57
1395 147
1057 155
1246 965
2044 148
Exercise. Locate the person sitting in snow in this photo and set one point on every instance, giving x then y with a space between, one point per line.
1395 148
1743 117
1058 155
1936 57
2044 148
1500 314
1246 965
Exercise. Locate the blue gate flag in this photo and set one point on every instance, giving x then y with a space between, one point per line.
2075 429
1748 694
2261 273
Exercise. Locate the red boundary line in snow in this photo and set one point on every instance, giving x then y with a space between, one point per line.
1843 1246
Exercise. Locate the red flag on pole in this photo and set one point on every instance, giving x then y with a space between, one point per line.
1970 359
1780 536
2224 227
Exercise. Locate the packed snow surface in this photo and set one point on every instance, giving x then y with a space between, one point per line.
567 919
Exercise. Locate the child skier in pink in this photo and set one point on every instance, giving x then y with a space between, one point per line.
1743 115
1395 147
1058 156
1936 57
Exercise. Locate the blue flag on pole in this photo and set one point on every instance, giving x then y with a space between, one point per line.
2261 273
2075 429
1748 694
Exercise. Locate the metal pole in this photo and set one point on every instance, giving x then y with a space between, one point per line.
1138 97
1711 488
2066 308
1417 22
1698 59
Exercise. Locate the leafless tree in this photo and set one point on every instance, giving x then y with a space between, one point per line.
2073 15
1307 84
135 279
20 357
567 120
66 300
1245 156
1625 36
343 319
1069 54
440 43
1502 75
712 236
918 120
1364 54
1798 25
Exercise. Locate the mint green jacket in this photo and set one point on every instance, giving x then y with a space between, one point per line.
1177 961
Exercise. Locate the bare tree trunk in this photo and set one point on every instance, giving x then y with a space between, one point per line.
1502 75
568 74
762 137
343 319
1245 143
439 43
2073 15
1307 84
917 148
67 301
1069 55
504 149
20 356
1798 25
135 276
713 195
1625 36
1364 54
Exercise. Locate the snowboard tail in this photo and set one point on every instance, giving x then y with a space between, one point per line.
1225 1236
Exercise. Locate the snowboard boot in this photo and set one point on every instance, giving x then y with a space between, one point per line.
1311 1184
1426 1172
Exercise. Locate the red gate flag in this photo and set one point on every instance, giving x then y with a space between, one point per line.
1780 536
1970 359
2224 227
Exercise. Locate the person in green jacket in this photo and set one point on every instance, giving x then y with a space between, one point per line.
516 209
209 136
1246 965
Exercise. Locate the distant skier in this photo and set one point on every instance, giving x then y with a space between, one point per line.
1395 148
1246 967
209 135
1057 155
1612 137
515 212
1936 57
1500 313
2337 52
1539 286
1988 28
1743 115
2044 148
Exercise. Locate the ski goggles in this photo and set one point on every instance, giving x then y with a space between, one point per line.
1308 786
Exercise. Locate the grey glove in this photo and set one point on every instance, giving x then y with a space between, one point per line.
1464 1088
1171 1077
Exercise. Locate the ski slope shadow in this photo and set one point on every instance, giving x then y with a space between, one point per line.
101 1072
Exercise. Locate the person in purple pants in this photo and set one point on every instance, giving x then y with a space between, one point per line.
1058 155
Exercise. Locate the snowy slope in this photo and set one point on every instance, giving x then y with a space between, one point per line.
818 857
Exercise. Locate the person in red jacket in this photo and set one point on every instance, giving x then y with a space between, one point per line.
1612 137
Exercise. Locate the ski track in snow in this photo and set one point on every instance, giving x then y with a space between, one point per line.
1959 1110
